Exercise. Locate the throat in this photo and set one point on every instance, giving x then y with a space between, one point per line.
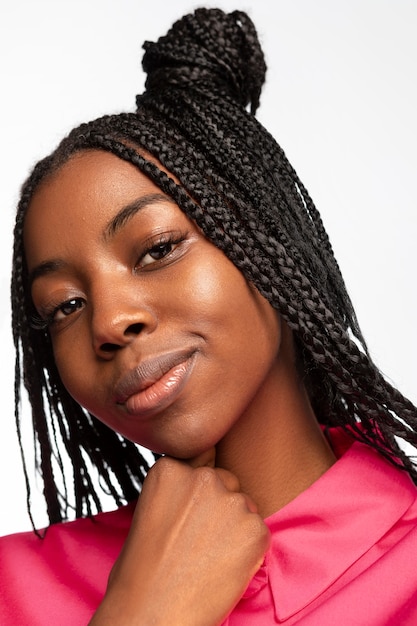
277 448
276 457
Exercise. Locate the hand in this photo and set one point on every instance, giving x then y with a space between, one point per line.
194 544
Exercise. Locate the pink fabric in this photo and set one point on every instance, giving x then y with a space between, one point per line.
61 579
343 552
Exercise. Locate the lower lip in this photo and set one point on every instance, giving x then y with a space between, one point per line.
162 393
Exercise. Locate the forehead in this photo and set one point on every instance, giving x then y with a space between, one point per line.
80 198
91 173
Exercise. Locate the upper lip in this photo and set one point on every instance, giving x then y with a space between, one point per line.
147 373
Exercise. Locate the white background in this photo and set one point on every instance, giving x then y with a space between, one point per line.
341 99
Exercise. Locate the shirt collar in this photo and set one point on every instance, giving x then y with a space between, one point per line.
322 532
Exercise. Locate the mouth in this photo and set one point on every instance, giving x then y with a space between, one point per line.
155 383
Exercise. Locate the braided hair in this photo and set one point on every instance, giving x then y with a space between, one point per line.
196 119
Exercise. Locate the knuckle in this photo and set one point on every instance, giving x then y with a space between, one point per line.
259 532
205 476
163 467
235 500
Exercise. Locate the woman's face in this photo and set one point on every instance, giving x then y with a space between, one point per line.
154 330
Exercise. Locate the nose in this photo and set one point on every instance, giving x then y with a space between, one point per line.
115 324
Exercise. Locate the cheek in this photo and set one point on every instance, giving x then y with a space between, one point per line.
214 286
230 307
71 362
202 281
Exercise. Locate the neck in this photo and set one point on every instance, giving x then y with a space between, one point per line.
277 448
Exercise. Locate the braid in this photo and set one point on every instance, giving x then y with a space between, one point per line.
236 183
56 416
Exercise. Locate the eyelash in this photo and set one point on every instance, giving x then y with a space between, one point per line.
39 322
164 240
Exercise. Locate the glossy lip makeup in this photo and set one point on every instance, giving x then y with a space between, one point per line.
155 383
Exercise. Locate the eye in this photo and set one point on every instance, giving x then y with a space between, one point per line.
67 308
56 313
156 253
165 246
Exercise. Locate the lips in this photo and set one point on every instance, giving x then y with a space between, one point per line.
154 383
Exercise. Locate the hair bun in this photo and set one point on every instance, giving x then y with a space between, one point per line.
212 51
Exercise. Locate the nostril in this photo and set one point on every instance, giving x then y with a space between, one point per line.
134 329
121 338
109 347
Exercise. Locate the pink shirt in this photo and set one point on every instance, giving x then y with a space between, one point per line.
343 552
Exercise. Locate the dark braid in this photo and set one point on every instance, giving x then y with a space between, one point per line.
238 186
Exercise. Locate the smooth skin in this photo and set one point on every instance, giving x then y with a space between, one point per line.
187 359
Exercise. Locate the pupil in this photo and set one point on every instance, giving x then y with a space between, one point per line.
162 250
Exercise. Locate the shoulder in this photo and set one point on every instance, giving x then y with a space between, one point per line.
72 561
102 526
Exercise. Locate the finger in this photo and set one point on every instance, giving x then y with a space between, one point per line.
205 459
229 480
250 504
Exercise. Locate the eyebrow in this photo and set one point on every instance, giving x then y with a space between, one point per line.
117 222
48 267
127 212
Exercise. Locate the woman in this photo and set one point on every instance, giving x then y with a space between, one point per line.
174 287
